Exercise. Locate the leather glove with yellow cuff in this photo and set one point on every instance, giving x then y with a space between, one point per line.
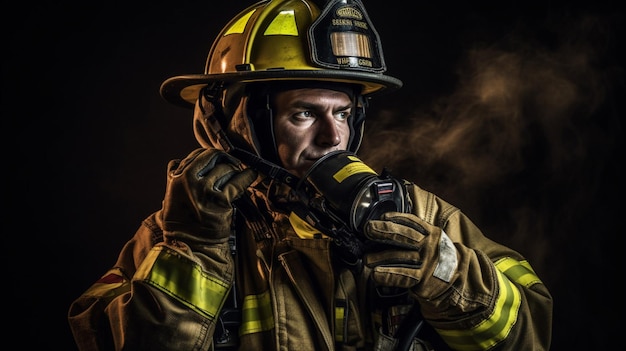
409 251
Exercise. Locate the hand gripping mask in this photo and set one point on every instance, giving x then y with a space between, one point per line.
341 194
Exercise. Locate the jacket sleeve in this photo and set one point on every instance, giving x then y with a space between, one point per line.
495 300
156 297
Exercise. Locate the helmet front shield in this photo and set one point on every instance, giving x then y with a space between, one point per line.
343 37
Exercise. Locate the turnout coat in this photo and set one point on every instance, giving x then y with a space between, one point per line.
273 286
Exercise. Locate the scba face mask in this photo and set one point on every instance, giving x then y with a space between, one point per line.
341 193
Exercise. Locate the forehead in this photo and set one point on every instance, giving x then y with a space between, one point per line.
311 94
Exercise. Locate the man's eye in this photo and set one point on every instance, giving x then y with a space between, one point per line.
343 115
303 115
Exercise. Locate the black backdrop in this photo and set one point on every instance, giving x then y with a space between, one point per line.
511 111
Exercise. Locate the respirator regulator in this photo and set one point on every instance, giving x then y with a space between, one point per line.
340 194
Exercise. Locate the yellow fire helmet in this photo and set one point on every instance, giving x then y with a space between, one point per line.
291 40
274 45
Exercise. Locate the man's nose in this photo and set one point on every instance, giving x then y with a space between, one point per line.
328 133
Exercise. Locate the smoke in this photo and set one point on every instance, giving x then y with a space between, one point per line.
528 143
524 141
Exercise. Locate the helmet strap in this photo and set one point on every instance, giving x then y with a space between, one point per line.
212 94
261 118
358 119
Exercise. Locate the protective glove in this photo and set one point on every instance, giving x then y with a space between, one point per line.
201 189
406 251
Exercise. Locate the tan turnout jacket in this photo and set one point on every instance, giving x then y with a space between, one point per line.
291 293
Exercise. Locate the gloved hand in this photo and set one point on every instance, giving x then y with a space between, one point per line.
201 189
407 251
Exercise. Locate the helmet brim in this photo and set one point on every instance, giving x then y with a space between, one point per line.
183 90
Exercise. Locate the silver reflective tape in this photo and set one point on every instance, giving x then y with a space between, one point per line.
448 261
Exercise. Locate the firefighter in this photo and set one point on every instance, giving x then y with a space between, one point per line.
274 235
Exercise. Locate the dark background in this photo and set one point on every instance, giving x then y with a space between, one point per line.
512 111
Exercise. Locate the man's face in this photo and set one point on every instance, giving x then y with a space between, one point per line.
308 124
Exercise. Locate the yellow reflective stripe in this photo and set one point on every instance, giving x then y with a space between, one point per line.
302 228
492 330
183 279
339 323
256 314
519 272
283 24
240 25
350 169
